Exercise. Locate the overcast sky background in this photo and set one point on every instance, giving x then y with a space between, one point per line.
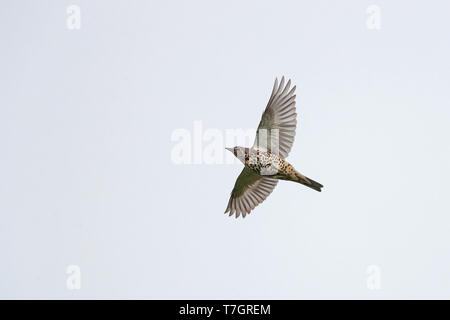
87 179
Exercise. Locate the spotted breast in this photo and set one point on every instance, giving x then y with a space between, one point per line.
267 163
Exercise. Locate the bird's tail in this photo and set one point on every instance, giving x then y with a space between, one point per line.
308 182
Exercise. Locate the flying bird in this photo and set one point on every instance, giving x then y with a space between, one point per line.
265 162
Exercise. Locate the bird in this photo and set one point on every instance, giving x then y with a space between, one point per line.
264 162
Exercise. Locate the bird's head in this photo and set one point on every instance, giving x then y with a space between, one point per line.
239 152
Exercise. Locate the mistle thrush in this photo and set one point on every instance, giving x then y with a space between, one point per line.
264 161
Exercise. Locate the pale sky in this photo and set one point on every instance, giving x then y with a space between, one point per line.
87 179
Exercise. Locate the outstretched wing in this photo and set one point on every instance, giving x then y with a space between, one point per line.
249 190
276 130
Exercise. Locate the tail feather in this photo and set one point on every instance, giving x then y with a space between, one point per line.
309 183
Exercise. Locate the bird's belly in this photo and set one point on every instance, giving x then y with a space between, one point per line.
263 165
272 166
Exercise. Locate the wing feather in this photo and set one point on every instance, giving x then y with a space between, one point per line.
249 191
280 114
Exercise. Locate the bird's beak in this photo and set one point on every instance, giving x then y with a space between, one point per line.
229 149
